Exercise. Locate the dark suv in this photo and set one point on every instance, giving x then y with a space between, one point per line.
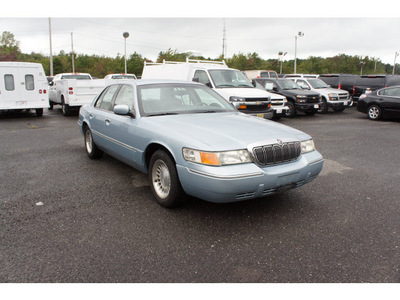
368 83
340 81
298 99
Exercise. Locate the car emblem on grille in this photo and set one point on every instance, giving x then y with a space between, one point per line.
258 103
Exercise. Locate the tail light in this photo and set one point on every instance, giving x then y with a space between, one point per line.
71 90
354 89
339 87
44 91
40 91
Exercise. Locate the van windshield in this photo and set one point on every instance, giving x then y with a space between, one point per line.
229 79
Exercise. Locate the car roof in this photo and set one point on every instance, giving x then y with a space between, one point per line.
140 82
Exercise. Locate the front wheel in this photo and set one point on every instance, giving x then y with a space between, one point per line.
374 112
291 112
164 181
323 106
91 149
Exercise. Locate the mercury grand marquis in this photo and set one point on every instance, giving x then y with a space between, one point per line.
191 141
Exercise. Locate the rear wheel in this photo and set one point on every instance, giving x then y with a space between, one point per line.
51 105
65 108
91 149
164 181
39 112
374 112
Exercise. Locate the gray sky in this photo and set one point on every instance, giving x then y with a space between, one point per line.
201 32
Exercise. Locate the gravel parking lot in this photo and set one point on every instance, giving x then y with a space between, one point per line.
66 218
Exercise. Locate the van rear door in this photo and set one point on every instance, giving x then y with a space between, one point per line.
10 88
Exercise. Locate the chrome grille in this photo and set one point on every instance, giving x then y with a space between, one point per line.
277 153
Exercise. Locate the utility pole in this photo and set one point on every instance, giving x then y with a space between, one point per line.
51 50
224 42
394 64
72 46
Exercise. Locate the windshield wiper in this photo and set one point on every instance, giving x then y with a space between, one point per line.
225 85
163 114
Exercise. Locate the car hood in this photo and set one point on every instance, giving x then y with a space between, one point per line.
219 131
331 90
244 92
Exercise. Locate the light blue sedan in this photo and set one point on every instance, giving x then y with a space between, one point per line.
190 141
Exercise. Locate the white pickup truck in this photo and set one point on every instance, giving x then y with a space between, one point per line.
72 90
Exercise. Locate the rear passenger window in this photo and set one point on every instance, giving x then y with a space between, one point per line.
9 82
29 83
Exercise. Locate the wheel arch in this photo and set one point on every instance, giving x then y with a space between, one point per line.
153 147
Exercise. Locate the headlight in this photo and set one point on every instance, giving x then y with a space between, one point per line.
307 146
217 158
236 99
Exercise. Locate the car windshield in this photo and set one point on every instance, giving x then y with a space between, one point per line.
229 79
317 84
288 85
167 99
75 76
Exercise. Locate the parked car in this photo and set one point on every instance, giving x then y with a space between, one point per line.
120 76
383 103
340 81
190 140
298 99
253 74
336 99
230 83
23 86
368 83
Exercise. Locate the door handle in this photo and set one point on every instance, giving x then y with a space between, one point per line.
107 122
90 116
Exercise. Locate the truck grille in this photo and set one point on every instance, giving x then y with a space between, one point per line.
313 99
256 99
277 153
342 96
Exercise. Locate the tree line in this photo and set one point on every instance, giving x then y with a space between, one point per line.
100 66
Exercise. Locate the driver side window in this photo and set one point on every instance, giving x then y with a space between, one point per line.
303 84
202 76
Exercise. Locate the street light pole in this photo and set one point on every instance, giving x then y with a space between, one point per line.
300 34
125 35
281 56
394 64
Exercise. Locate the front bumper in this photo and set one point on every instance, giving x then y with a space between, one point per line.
247 181
307 106
339 103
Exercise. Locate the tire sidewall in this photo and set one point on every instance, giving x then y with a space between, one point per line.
378 110
291 111
176 195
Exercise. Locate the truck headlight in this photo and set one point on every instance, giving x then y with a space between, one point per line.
307 146
301 98
333 96
236 99
217 158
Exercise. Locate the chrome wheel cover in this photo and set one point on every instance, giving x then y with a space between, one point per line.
161 178
88 141
373 112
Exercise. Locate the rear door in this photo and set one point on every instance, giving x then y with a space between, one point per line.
10 88
390 101
28 81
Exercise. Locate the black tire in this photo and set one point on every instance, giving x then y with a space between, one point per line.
338 109
374 112
164 181
91 149
323 106
65 108
291 112
51 105
39 112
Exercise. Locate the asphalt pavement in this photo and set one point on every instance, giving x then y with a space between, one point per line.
66 218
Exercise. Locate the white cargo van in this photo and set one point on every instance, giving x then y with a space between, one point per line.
23 86
231 84
254 74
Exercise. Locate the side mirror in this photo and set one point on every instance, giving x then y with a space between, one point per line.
195 79
123 110
275 89
51 83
